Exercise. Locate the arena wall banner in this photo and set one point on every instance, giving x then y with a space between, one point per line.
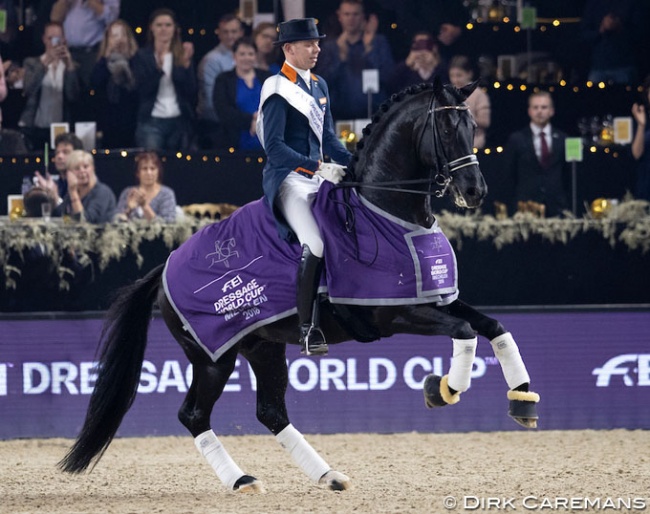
592 370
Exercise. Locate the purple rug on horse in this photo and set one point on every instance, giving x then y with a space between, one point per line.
237 275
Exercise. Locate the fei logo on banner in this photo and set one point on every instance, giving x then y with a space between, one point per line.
623 366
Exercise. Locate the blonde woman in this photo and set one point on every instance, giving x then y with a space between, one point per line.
87 198
114 84
150 199
461 74
166 84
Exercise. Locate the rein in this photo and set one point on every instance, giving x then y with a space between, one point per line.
443 173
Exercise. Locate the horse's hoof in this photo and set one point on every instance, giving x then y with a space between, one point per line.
248 484
335 481
436 392
523 408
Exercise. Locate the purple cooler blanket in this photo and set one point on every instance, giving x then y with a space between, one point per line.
236 275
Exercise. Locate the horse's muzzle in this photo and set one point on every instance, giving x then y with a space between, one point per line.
469 188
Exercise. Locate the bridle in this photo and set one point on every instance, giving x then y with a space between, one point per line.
441 173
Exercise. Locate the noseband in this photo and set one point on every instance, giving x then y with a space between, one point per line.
443 168
441 173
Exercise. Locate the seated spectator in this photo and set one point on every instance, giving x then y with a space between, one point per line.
641 144
423 64
166 85
461 74
64 145
269 57
114 84
342 61
237 97
51 86
150 199
87 199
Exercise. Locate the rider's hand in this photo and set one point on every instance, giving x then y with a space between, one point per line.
331 171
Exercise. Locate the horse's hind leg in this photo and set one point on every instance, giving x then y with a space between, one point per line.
269 364
522 401
208 381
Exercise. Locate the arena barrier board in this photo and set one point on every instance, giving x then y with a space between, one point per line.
592 370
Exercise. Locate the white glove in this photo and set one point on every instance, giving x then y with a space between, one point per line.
331 171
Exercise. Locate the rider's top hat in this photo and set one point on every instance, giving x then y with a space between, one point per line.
300 29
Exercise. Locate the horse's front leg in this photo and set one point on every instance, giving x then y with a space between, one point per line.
522 401
269 363
430 320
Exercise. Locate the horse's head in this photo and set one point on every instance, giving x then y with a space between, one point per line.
446 145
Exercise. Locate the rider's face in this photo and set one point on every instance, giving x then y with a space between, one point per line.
302 54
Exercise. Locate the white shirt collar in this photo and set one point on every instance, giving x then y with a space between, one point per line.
304 74
536 130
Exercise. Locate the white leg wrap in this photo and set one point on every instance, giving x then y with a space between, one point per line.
512 365
460 373
302 453
211 448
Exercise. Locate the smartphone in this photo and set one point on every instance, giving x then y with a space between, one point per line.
56 41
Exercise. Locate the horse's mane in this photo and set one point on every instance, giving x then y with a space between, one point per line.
386 106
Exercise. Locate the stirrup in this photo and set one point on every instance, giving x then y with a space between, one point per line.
312 341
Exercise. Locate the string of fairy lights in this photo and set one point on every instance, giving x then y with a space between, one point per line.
496 24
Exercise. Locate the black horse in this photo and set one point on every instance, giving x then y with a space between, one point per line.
418 146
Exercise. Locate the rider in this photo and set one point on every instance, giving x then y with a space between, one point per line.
295 127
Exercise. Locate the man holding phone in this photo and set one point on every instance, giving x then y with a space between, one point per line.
51 85
85 21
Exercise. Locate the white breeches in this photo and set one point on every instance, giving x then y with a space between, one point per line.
295 196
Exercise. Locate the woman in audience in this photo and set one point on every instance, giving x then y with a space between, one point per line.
166 84
87 199
268 55
114 83
461 74
236 97
423 64
150 199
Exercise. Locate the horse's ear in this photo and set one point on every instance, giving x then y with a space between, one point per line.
437 87
468 89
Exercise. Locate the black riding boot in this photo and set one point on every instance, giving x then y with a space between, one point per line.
312 339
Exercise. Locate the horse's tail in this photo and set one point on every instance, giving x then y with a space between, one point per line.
124 339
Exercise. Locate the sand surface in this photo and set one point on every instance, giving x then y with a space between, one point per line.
407 473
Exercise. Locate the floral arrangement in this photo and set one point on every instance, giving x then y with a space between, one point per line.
628 224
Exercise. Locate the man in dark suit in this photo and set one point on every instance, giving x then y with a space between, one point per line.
295 128
535 158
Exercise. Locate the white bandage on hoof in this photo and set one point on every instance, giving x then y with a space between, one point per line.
211 448
302 453
523 396
446 393
460 372
512 365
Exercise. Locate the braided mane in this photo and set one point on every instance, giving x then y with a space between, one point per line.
378 116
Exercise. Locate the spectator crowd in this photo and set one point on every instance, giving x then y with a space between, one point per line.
159 95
